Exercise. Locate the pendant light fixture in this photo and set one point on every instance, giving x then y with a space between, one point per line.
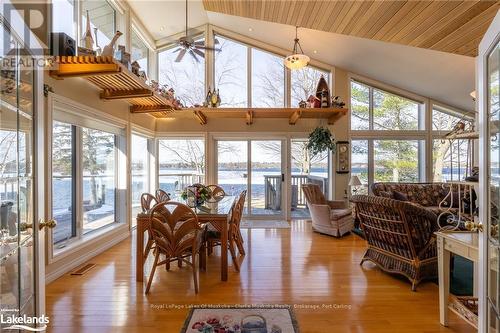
298 59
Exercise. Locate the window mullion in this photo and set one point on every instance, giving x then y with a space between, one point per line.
249 76
370 108
78 209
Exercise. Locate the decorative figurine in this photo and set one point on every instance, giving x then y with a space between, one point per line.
109 50
337 102
324 98
321 89
215 98
208 98
313 102
302 104
98 49
135 68
88 41
143 75
155 85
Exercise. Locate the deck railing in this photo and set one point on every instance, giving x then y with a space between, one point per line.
273 190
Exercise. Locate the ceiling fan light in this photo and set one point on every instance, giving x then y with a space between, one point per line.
297 61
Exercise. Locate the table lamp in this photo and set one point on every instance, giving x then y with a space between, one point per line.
354 183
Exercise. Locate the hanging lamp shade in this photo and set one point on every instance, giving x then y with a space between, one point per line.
298 59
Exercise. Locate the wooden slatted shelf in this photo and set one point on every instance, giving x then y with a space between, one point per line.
115 80
202 115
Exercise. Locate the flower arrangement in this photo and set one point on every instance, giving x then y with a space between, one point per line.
217 325
200 194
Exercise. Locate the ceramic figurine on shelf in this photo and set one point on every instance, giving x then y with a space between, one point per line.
135 68
208 98
98 49
155 85
143 75
324 98
313 102
214 99
218 98
337 102
302 104
88 41
109 50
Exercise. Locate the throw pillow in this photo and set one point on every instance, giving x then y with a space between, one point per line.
400 196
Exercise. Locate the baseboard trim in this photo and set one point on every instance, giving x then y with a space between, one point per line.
52 276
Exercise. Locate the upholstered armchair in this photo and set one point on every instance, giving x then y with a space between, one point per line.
328 217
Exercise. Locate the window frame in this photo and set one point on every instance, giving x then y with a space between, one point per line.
65 110
425 134
134 30
148 169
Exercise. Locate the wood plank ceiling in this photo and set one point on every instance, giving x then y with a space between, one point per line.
448 26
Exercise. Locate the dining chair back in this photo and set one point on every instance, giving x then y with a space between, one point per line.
177 235
161 195
148 201
216 193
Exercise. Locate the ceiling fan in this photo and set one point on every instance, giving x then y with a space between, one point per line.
194 48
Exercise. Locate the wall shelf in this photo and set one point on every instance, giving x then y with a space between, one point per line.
203 115
115 80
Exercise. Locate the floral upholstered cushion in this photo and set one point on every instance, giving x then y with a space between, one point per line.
425 194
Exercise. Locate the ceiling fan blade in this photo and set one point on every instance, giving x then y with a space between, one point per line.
194 55
200 43
180 56
177 50
198 52
207 48
216 41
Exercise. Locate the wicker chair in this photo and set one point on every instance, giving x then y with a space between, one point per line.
400 237
161 195
216 193
329 217
148 201
177 235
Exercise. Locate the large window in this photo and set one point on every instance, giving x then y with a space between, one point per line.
391 143
383 150
231 73
449 157
268 80
181 162
139 165
62 17
103 17
99 178
186 77
304 83
63 181
139 51
86 155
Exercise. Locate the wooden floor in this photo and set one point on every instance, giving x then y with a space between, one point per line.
283 266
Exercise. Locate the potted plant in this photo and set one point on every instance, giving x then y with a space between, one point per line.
320 140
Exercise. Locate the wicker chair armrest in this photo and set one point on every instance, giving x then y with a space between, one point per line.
336 204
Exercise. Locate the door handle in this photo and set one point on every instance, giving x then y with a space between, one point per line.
282 177
51 224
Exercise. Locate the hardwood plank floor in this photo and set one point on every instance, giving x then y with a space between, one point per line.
317 274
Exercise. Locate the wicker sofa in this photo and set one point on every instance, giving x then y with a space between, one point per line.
400 236
428 195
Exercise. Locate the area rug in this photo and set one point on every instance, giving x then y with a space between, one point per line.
235 319
264 225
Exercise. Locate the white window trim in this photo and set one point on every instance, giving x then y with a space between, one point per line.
57 106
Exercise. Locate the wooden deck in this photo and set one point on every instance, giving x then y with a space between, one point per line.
293 266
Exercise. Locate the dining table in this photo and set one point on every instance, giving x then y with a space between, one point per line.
215 213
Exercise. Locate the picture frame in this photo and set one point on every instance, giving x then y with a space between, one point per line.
343 157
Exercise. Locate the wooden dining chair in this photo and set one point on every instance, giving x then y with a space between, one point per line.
148 201
235 240
216 193
161 195
177 235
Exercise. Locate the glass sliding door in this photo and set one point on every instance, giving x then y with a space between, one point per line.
266 177
139 165
306 169
181 162
255 166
